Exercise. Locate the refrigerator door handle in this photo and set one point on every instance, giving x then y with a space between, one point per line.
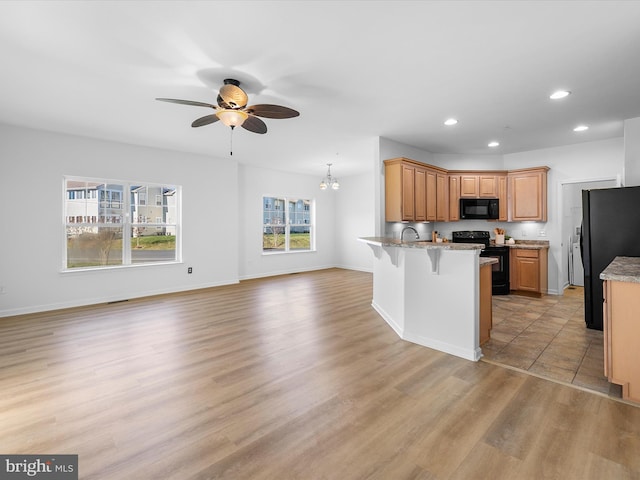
581 248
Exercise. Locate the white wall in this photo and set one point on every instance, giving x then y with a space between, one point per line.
222 220
254 183
631 175
355 217
469 162
33 164
392 149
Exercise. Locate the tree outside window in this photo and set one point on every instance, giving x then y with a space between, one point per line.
287 225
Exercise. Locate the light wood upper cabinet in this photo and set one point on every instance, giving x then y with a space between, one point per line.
454 198
399 179
410 191
528 194
417 192
473 185
442 197
503 198
420 194
432 195
469 186
487 186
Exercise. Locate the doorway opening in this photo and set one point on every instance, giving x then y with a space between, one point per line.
571 272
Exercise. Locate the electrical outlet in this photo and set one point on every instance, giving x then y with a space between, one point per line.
543 233
190 270
524 233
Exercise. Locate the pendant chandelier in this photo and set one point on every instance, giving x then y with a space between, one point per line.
328 181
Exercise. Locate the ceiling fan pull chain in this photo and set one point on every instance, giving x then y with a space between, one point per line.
231 143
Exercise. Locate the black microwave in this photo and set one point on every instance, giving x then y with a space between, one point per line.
479 209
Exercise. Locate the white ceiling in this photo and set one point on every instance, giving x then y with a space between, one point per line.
354 69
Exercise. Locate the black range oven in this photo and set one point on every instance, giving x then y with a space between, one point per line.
500 270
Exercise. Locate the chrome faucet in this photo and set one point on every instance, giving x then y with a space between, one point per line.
409 228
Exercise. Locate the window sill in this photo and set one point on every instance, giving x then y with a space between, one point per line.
116 267
293 252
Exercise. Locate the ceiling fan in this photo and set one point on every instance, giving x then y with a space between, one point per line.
232 109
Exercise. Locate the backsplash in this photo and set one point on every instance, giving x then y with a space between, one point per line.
519 231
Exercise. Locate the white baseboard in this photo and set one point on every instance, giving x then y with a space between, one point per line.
98 300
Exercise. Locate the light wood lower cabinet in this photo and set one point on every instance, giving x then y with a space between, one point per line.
621 327
486 309
528 270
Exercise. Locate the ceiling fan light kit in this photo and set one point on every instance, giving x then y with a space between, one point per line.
232 109
232 118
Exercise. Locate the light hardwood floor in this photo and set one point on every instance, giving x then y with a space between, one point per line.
290 377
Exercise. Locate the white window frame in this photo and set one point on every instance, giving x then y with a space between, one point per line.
127 223
287 224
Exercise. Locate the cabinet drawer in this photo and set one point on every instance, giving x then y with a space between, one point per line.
527 253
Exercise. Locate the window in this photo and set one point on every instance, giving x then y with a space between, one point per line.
109 223
287 225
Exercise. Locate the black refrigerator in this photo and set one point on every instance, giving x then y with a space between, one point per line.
610 228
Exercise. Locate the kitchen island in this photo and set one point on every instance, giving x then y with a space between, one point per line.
429 293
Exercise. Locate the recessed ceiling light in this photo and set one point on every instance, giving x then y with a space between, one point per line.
581 128
559 94
493 144
450 121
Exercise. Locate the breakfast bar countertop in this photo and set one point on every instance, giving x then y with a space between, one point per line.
623 269
394 242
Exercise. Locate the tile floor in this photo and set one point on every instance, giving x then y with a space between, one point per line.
547 336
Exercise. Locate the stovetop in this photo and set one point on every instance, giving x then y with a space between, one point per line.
471 236
474 236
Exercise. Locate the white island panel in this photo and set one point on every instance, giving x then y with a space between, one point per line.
429 298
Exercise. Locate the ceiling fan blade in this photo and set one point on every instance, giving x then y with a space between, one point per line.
187 102
206 120
272 111
255 125
232 96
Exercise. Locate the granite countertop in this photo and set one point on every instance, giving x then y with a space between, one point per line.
394 242
488 261
527 244
623 269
